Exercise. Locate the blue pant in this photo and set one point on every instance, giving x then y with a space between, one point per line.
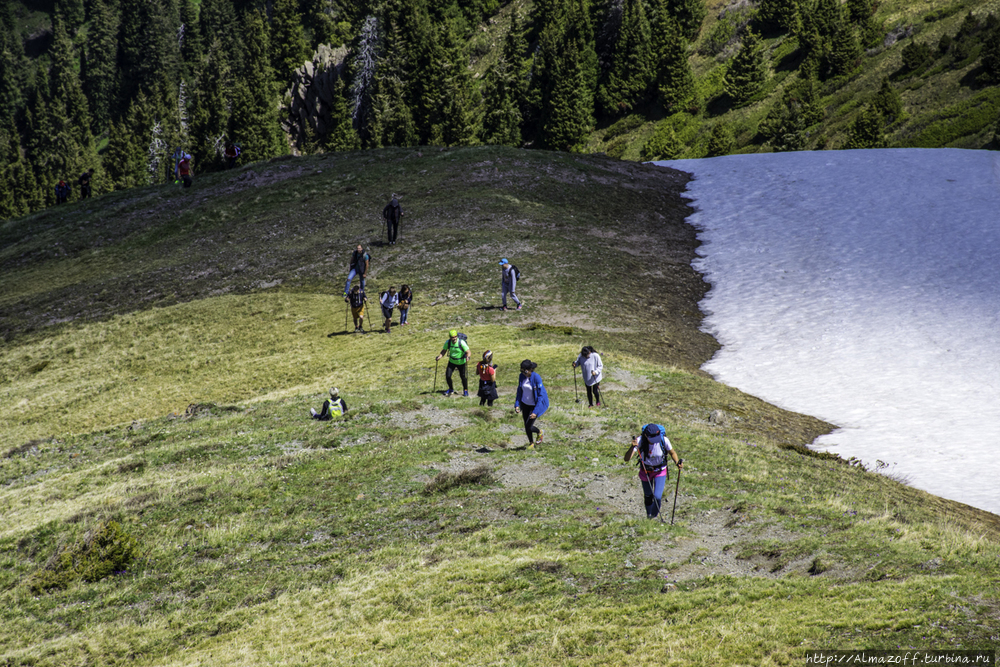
350 279
653 495
403 312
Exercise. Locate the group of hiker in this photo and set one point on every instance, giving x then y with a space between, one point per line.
651 447
63 189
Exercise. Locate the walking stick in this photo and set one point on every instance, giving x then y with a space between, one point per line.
436 361
676 489
575 391
347 306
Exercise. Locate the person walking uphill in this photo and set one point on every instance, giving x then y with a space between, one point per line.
487 372
359 267
62 192
508 283
357 299
392 213
531 400
388 300
653 447
593 372
405 298
458 354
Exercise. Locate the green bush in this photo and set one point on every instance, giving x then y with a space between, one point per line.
960 120
624 126
107 550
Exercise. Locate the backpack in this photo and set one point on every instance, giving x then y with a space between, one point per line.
364 254
462 338
654 452
516 271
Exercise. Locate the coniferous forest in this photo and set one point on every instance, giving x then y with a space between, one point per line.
114 88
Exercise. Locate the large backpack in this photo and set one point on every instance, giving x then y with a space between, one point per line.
516 271
654 452
462 338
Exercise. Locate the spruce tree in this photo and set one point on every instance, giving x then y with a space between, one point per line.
501 117
674 79
721 142
70 13
663 145
747 71
341 136
192 44
126 159
253 120
862 14
627 81
392 123
888 102
569 108
13 69
866 132
99 81
690 14
844 51
288 39
459 124
209 110
779 15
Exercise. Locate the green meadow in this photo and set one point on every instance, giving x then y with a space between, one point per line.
167 500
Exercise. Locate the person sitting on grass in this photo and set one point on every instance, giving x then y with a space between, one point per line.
332 407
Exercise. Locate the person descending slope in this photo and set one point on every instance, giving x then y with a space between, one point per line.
457 351
653 447
508 283
531 400
392 213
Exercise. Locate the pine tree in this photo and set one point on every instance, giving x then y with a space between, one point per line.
663 145
253 120
99 81
626 83
218 21
779 15
674 79
70 13
209 113
747 71
341 136
13 69
567 118
393 123
148 50
845 51
888 102
126 159
866 132
502 118
862 14
192 44
690 14
288 39
721 142
459 124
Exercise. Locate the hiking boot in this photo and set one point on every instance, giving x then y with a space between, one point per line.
519 306
312 411
465 394
447 392
531 445
503 308
538 438
598 404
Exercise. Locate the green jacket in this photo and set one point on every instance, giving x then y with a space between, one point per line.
456 351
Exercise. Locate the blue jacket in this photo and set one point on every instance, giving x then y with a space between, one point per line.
541 398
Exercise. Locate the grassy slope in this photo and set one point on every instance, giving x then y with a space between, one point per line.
162 348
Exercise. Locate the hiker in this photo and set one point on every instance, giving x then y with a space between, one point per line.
392 213
388 300
332 407
487 372
592 369
179 155
508 283
653 446
357 299
85 185
531 400
458 354
359 267
62 191
232 153
184 171
405 297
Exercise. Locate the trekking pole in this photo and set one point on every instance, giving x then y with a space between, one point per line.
676 489
435 390
575 390
347 307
